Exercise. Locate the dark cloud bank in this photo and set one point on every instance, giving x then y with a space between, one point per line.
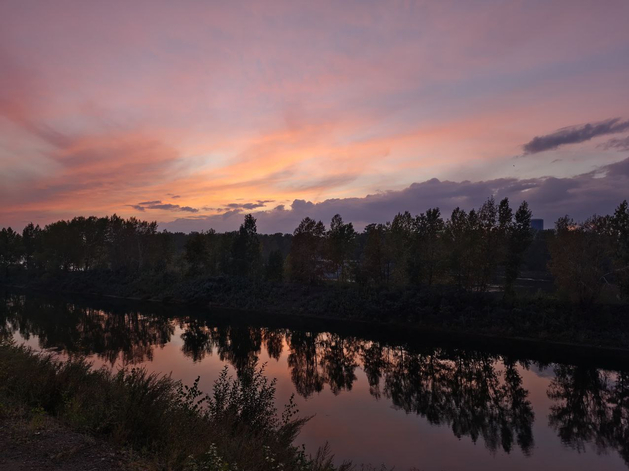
618 144
236 206
574 135
163 206
599 192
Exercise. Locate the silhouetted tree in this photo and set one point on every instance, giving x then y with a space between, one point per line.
200 252
10 249
59 246
519 237
422 250
127 241
487 250
31 239
306 254
429 259
162 251
620 227
341 240
376 261
399 241
505 227
580 257
275 266
246 248
459 246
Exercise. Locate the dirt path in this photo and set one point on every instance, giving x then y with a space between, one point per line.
43 444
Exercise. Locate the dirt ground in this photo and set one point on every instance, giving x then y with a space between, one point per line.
41 443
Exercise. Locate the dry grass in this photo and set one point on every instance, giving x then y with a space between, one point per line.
169 424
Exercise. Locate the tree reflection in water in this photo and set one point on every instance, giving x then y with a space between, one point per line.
475 394
129 336
304 363
591 406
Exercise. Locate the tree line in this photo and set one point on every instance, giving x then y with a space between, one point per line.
479 250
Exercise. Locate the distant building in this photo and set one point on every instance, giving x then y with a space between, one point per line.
537 224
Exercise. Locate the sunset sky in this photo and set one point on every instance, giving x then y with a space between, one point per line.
195 113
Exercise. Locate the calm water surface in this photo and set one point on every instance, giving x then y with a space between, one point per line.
406 403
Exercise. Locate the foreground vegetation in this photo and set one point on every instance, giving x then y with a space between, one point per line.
171 425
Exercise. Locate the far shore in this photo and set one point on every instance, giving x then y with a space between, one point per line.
582 344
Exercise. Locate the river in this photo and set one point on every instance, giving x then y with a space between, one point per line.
377 397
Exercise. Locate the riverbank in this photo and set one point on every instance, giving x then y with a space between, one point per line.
31 440
168 425
539 317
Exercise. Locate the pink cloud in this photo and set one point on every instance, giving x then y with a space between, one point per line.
104 105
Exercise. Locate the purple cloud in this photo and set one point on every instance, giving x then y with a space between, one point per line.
163 206
596 192
574 135
259 204
616 143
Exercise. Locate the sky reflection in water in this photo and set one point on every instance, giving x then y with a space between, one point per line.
375 401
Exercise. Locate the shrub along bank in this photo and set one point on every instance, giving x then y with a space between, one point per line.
170 425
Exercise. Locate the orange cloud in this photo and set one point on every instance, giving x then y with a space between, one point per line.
118 104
